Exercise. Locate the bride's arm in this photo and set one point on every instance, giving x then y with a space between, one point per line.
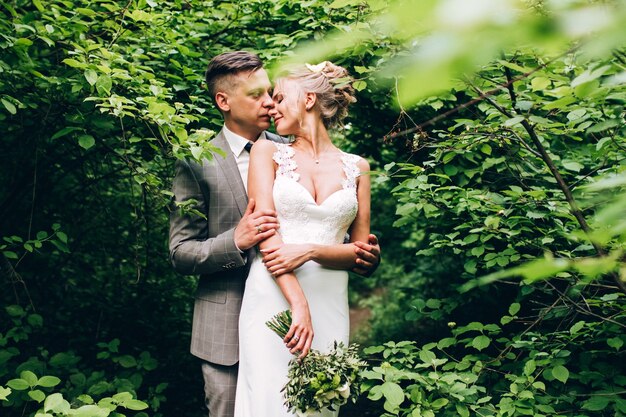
261 176
281 258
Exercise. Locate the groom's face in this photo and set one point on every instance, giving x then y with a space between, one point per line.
246 103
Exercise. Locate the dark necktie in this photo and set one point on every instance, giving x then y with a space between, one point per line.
248 146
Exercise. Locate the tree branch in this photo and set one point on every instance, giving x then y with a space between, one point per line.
569 197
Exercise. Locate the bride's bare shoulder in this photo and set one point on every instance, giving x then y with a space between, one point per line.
363 164
264 147
265 144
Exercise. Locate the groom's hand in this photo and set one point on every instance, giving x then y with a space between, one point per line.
255 226
368 256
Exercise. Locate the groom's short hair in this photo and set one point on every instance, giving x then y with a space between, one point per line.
223 66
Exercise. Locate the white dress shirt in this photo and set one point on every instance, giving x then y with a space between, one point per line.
237 144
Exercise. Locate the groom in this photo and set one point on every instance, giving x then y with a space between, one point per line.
220 247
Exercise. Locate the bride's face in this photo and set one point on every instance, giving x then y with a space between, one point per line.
289 107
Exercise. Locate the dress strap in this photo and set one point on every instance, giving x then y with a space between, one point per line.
284 158
351 170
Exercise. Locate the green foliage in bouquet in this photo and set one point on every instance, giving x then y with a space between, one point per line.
320 380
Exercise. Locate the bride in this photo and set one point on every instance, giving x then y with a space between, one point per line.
319 195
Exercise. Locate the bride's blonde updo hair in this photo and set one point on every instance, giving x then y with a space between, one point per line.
331 84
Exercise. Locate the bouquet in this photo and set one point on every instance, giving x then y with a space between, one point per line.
320 380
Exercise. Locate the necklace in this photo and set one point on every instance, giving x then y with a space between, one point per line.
316 158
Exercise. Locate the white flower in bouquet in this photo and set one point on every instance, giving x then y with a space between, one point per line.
319 380
344 391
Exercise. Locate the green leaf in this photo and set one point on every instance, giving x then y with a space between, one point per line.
91 410
615 342
540 83
572 165
540 120
529 367
449 156
439 403
196 151
48 381
4 393
38 5
23 42
393 393
584 90
127 361
514 308
513 121
86 141
462 410
37 395
597 403
470 238
10 254
91 76
18 384
561 103
589 75
135 404
85 11
576 327
121 397
9 106
64 132
104 84
560 373
62 237
74 63
576 114
85 399
433 303
604 125
181 134
470 266
446 342
56 403
477 250
475 325
359 85
427 356
29 377
35 320
140 16
481 342
15 310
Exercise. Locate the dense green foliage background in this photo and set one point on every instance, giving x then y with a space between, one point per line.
496 133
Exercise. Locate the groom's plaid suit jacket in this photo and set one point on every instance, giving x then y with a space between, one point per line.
206 247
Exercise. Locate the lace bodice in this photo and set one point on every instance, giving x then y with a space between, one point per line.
301 219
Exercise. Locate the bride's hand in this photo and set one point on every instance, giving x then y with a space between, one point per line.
300 334
285 258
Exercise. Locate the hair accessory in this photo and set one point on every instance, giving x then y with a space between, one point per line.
317 68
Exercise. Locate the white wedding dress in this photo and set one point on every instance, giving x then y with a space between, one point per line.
263 357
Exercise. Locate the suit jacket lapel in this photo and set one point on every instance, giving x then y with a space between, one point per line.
232 176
